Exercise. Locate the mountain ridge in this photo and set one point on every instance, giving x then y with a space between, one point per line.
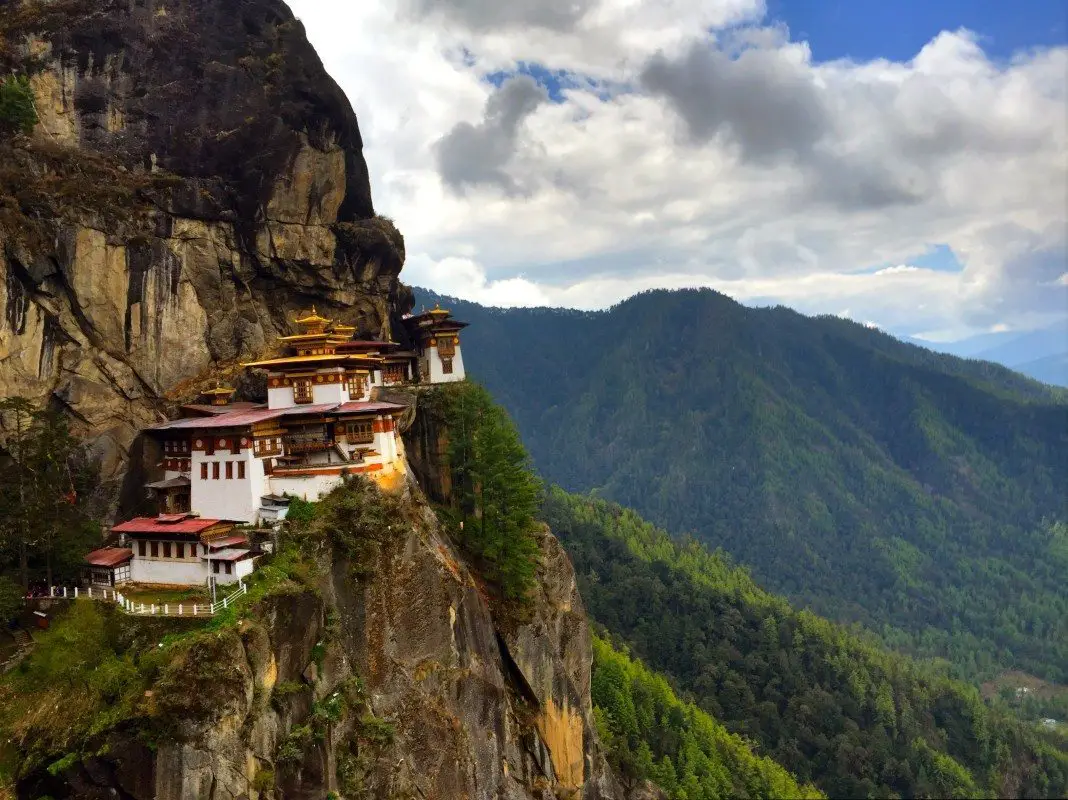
871 480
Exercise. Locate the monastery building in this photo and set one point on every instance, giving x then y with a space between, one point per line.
226 463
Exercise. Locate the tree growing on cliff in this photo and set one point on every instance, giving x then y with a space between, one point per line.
496 492
47 482
17 111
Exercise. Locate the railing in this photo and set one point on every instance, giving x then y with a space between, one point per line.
147 609
304 444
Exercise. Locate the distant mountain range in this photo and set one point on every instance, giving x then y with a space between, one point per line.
870 480
1040 354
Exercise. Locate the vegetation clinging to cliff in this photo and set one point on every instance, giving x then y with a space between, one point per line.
17 111
48 495
495 491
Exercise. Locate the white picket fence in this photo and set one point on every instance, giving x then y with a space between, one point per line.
148 609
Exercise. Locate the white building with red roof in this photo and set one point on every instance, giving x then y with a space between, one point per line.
225 463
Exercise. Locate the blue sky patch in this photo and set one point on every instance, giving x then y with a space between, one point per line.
866 29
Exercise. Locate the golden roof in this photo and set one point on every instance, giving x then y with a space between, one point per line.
271 362
312 318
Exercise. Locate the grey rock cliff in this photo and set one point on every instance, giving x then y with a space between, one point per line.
196 178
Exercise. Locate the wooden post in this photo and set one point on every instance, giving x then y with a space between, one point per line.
75 592
166 609
179 609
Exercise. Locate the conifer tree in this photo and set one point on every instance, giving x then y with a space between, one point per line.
495 489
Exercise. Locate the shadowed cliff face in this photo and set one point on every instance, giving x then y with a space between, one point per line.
196 178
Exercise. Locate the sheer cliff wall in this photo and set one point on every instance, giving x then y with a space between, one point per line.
194 180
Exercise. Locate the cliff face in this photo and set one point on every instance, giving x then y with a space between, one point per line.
194 180
443 701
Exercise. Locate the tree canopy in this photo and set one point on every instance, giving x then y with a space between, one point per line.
830 705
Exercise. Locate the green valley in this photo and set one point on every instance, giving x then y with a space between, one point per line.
831 707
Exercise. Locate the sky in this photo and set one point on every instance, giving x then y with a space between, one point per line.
901 164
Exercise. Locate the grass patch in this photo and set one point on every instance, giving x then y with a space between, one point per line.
160 597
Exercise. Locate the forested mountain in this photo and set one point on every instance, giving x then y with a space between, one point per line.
850 716
869 480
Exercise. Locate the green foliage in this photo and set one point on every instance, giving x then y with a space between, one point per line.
495 490
869 480
264 780
48 494
652 735
80 666
11 602
17 111
291 750
831 707
300 510
68 761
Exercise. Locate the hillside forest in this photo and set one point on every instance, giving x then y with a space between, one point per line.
868 480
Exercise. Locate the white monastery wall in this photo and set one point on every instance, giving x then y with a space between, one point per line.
227 498
329 393
280 397
436 373
168 570
306 487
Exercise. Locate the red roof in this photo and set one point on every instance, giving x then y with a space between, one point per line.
226 541
212 410
183 524
238 556
367 407
109 557
230 419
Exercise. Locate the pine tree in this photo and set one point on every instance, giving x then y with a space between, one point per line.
496 491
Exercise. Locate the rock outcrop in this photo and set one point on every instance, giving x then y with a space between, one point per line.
195 179
453 704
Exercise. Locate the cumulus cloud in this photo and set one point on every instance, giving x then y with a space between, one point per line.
482 15
683 150
472 154
764 100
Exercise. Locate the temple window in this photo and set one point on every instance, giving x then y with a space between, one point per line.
142 549
395 373
240 470
154 546
357 385
446 346
215 470
302 391
229 470
446 365
360 432
204 470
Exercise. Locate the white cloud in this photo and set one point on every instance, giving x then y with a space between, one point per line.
678 180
